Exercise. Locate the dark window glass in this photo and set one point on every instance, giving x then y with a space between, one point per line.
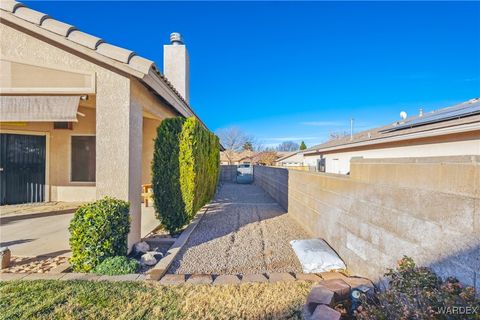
321 165
83 158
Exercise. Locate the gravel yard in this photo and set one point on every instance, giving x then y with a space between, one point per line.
244 232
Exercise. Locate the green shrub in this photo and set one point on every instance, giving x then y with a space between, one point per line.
117 265
167 195
199 166
185 170
417 293
98 230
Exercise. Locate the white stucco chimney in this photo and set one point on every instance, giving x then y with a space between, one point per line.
176 65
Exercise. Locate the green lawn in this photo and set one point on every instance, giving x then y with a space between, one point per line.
50 299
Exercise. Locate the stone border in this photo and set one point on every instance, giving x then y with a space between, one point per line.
181 279
162 266
69 276
335 282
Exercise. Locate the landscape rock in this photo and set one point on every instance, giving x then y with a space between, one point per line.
323 312
319 295
157 254
148 259
339 287
141 247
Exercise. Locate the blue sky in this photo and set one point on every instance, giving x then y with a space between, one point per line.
297 71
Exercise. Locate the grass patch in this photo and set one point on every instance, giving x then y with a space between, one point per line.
50 299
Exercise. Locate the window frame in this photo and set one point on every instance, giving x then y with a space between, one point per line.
70 153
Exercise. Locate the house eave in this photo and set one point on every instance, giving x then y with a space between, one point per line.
416 135
152 79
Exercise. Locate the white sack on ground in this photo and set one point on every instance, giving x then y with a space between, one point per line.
316 256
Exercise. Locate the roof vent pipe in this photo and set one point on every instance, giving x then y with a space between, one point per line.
176 39
420 112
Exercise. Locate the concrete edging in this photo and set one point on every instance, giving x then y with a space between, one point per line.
162 266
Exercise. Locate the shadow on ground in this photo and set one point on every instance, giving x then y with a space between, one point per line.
244 231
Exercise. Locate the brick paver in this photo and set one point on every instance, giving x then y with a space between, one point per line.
319 295
123 277
338 286
44 276
308 277
280 277
80 276
200 279
254 278
323 312
12 276
226 279
173 279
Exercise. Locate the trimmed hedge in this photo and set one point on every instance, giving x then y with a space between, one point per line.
167 194
185 170
98 230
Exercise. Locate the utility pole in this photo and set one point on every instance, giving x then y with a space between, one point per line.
351 128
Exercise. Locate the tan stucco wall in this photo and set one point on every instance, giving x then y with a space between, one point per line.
149 134
59 187
453 145
426 208
112 89
117 120
154 111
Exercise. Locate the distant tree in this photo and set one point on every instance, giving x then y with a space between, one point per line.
288 146
337 135
234 140
303 146
248 146
266 158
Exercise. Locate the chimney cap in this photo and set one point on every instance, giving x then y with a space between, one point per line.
176 38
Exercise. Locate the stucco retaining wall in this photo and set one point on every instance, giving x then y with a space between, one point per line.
426 208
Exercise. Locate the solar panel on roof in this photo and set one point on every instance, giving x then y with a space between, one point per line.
455 112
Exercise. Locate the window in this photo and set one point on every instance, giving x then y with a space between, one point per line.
321 165
83 159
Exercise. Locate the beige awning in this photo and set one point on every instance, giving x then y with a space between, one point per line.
38 108
23 78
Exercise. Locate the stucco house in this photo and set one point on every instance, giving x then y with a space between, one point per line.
79 115
291 159
450 131
228 157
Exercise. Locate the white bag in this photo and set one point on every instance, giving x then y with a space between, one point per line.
316 256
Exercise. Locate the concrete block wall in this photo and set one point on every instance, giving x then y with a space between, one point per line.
426 208
228 173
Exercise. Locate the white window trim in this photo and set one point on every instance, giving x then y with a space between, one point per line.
82 183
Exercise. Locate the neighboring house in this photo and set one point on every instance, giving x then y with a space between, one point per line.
79 115
449 131
292 159
229 157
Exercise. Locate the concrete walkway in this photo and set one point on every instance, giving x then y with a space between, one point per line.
42 229
245 232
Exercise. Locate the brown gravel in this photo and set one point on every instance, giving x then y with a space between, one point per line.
40 264
244 232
